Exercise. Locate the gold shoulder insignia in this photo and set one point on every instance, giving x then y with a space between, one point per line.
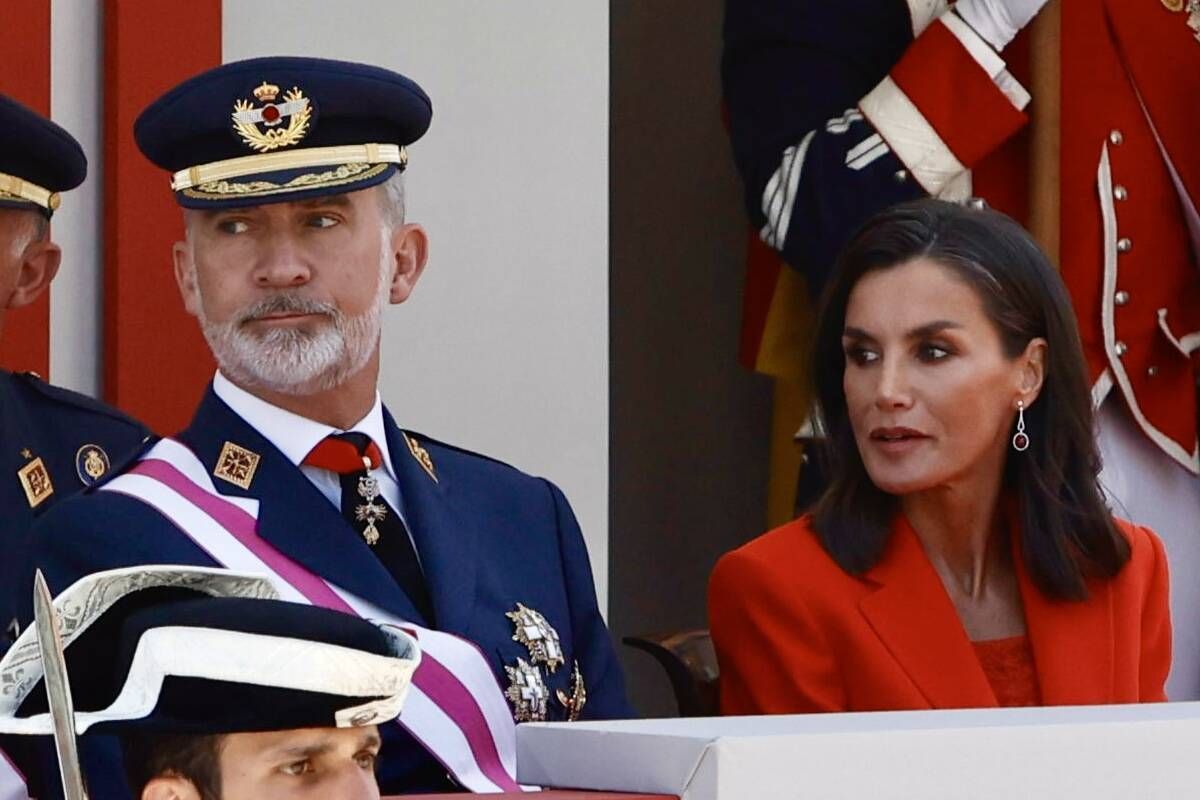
91 463
421 455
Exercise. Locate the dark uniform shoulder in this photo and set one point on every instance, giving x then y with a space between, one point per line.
33 384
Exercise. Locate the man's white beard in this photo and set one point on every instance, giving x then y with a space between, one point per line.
293 361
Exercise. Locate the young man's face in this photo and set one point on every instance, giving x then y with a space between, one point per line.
325 763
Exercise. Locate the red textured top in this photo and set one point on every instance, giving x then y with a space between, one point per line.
1008 665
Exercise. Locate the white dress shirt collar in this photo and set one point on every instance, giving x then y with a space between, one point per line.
295 436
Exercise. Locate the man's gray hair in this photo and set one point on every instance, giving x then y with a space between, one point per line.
392 199
35 229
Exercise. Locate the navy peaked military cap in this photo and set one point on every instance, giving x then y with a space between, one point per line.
38 159
282 129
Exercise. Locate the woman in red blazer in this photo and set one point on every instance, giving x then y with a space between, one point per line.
963 555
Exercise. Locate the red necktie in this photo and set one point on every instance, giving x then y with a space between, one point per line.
343 456
351 456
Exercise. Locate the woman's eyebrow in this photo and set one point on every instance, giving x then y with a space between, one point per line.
932 328
850 332
919 332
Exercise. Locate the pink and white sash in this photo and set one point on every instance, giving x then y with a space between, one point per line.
455 708
12 782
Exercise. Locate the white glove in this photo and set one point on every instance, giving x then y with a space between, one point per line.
998 21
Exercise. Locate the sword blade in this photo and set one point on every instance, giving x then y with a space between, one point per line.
58 689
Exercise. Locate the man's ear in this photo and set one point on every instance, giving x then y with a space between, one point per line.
39 265
170 787
183 254
410 251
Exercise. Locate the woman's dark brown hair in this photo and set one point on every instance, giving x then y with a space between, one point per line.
1067 530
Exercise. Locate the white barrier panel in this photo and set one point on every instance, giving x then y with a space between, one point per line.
1093 752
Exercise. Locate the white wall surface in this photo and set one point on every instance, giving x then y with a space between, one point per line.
76 104
504 346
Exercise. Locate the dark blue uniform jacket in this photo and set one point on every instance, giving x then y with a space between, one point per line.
60 434
488 536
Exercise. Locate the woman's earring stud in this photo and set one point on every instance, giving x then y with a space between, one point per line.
1020 440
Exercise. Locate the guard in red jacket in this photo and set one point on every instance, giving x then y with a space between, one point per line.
839 109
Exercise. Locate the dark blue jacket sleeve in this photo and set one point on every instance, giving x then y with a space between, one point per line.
605 682
793 72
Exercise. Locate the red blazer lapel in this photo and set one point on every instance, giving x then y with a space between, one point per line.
913 616
1162 55
1072 642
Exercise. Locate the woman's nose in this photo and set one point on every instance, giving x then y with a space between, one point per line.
892 390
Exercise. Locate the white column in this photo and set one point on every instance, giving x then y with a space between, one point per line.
76 102
504 346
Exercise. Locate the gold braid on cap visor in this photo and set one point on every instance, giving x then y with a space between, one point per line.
340 155
14 188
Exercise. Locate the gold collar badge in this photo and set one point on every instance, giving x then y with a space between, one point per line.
35 480
236 465
260 126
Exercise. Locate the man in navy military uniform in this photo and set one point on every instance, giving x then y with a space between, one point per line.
289 171
53 442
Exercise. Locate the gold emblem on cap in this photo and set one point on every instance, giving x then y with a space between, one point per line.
267 92
295 108
35 480
91 463
1174 5
236 465
421 455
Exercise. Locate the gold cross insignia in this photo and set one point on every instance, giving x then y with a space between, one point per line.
26 453
527 692
236 465
538 635
421 455
35 480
